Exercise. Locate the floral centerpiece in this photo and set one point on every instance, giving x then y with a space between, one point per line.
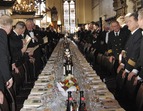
69 83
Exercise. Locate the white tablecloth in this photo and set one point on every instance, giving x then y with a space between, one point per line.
45 95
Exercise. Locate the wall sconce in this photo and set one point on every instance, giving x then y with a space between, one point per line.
48 20
6 4
19 1
59 22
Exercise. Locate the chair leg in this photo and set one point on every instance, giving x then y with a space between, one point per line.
26 78
10 95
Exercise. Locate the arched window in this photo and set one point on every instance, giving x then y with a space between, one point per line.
69 15
40 6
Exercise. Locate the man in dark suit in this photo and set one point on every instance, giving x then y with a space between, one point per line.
116 42
35 34
36 37
132 47
17 48
5 28
138 69
5 75
104 38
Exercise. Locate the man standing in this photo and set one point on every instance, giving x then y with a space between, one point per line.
5 74
116 42
132 47
1 90
138 70
5 28
36 40
36 35
17 48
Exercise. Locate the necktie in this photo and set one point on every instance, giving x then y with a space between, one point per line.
116 34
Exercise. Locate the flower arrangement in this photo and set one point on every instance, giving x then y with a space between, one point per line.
68 82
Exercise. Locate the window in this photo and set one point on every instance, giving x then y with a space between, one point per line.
40 6
69 16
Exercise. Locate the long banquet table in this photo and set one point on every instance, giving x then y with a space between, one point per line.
45 95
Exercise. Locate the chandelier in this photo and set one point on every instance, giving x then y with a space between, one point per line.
26 9
23 7
6 4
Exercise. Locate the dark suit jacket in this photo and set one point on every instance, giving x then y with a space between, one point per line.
15 46
38 35
117 43
4 56
141 60
52 36
132 49
81 35
139 64
89 36
102 44
1 84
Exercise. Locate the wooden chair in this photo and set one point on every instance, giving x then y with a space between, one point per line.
29 68
139 98
17 82
120 83
87 53
5 106
44 54
104 62
92 56
131 89
85 47
99 59
10 97
19 79
22 74
109 65
25 74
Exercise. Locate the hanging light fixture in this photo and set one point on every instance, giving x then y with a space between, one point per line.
22 10
23 7
6 4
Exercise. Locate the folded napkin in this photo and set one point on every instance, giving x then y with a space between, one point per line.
31 103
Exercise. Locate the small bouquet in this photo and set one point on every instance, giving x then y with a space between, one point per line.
68 84
69 81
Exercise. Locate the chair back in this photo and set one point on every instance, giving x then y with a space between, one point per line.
139 98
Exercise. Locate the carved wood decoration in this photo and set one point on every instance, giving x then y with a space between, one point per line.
120 7
54 12
137 4
54 17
